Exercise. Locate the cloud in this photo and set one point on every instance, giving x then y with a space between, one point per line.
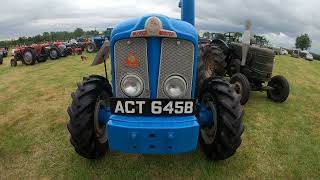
279 21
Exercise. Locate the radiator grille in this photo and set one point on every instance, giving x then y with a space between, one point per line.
138 47
177 58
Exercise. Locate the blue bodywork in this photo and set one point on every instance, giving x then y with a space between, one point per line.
98 41
155 134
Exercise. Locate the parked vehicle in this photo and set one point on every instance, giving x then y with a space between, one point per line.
97 41
296 53
283 51
1 58
4 51
29 55
307 55
248 66
160 101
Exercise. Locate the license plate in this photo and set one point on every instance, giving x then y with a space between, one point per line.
145 107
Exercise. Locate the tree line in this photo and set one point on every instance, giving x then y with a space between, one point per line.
49 37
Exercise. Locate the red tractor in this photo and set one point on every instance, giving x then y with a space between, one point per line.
29 55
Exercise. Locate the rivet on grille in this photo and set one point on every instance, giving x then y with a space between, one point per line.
128 42
178 43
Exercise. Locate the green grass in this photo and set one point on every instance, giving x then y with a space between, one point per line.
280 140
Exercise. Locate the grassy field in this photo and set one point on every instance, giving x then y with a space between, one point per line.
280 140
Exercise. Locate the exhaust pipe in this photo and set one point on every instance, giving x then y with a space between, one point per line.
187 11
246 42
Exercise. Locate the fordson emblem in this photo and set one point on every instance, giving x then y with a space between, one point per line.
153 28
132 60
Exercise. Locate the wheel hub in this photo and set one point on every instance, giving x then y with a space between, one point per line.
100 130
54 54
90 48
28 57
238 87
209 133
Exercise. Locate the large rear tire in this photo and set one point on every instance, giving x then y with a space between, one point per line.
281 89
29 57
214 60
42 58
222 140
242 86
88 136
91 47
54 54
209 55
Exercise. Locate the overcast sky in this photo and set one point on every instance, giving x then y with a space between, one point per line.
280 21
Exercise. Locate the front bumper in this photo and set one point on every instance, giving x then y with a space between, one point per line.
152 135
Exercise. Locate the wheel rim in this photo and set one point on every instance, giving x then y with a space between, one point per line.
53 54
101 131
27 57
208 134
238 87
90 48
277 87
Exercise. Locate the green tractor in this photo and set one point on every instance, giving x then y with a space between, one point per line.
248 65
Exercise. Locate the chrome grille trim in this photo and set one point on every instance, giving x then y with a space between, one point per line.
177 58
122 48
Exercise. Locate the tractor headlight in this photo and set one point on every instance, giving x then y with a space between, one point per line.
175 87
132 85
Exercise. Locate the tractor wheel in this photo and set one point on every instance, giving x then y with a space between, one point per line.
28 57
1 59
13 63
91 48
223 138
234 67
205 59
214 60
280 91
54 54
88 136
242 86
42 59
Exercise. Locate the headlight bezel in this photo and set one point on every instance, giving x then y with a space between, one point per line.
139 81
182 81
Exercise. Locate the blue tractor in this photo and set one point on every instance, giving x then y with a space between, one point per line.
160 100
97 41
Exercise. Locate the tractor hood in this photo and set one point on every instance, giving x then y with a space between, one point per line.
153 25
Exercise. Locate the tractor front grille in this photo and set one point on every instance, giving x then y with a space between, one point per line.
177 58
138 47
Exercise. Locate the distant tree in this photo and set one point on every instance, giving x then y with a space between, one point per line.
46 36
303 42
78 32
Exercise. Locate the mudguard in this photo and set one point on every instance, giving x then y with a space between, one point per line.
102 54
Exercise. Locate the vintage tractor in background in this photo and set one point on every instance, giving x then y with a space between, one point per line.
1 58
4 51
248 65
29 55
97 41
58 49
160 99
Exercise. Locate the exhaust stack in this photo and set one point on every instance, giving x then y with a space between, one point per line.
187 11
246 42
